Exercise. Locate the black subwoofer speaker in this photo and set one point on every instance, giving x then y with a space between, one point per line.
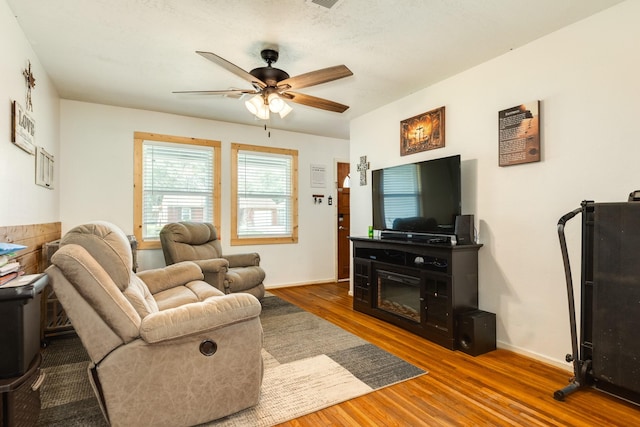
476 332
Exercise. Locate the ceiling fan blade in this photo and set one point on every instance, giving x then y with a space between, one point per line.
230 92
315 102
233 68
315 77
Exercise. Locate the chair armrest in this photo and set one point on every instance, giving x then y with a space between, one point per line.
215 271
212 313
160 279
243 260
213 265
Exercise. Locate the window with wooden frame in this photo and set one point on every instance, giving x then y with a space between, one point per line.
264 195
176 179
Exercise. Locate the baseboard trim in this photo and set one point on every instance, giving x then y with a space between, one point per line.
537 356
289 285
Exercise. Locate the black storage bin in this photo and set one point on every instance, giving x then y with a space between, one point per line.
20 326
20 397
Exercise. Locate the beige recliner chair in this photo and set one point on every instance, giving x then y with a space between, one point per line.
166 348
198 242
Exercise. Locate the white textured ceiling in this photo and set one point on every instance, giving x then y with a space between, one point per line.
134 53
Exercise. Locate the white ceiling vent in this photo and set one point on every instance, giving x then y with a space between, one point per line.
327 4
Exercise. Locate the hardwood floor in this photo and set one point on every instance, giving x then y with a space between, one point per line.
500 388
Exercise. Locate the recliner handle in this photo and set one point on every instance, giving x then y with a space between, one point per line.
208 347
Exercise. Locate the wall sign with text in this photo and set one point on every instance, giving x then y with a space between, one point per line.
318 176
23 129
519 134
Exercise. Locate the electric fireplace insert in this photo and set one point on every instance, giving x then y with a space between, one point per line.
399 294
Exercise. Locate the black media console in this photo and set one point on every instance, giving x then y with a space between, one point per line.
418 286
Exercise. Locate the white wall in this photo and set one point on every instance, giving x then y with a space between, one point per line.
97 182
24 202
586 77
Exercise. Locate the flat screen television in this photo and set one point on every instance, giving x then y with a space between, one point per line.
423 197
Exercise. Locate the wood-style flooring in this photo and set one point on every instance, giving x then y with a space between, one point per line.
499 388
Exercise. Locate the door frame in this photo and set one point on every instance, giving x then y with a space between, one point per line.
335 221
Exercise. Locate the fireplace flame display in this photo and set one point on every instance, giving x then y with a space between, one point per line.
399 294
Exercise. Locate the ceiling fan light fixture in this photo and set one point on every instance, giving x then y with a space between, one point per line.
285 110
254 104
263 112
272 85
276 104
257 106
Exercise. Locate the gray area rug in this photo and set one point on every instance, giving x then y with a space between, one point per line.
310 364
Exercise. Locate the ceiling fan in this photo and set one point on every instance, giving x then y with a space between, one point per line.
273 86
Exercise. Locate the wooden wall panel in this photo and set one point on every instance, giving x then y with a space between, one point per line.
34 236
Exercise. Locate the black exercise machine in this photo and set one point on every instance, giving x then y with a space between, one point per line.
608 354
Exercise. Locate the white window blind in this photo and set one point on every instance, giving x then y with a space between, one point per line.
265 196
177 185
401 193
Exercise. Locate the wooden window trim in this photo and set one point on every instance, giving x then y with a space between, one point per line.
235 240
138 140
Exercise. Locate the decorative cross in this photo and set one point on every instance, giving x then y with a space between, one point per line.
31 83
362 168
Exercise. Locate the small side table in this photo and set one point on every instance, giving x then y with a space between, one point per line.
20 397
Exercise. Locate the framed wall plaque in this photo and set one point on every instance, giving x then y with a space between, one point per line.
422 132
23 128
44 168
318 176
519 134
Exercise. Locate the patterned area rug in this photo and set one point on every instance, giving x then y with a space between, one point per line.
310 364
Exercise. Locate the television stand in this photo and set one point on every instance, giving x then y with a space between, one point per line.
420 287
